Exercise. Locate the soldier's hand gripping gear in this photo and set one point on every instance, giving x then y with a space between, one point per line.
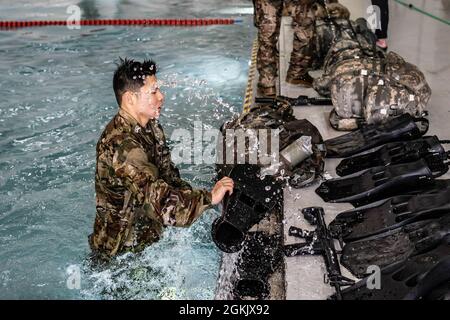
138 188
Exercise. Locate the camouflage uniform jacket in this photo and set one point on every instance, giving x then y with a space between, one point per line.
138 188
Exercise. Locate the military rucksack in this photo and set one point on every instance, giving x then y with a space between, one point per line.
279 117
365 85
368 90
332 25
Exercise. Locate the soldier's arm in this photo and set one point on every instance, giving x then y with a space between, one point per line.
174 206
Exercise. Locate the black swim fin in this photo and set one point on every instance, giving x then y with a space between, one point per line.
435 186
389 214
401 128
394 153
377 183
394 246
425 276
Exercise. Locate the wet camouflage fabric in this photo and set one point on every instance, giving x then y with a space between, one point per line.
365 85
267 19
281 117
138 188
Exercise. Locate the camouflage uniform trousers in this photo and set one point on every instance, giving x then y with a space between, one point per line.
303 20
267 20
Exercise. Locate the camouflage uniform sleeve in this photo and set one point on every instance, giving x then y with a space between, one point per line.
170 173
173 206
167 169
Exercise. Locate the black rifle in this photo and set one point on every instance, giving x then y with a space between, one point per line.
319 242
299 101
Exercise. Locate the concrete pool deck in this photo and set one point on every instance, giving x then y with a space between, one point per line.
422 41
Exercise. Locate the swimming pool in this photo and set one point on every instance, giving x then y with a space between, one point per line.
56 86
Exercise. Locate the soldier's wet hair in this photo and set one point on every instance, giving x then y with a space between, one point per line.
130 76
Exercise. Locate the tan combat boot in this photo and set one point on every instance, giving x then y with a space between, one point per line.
304 80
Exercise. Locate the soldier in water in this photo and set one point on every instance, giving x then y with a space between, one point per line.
138 188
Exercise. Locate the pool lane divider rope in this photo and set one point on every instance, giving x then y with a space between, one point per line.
248 100
413 7
120 22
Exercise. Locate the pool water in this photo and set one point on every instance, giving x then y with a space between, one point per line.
56 89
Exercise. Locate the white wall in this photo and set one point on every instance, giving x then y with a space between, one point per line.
357 7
